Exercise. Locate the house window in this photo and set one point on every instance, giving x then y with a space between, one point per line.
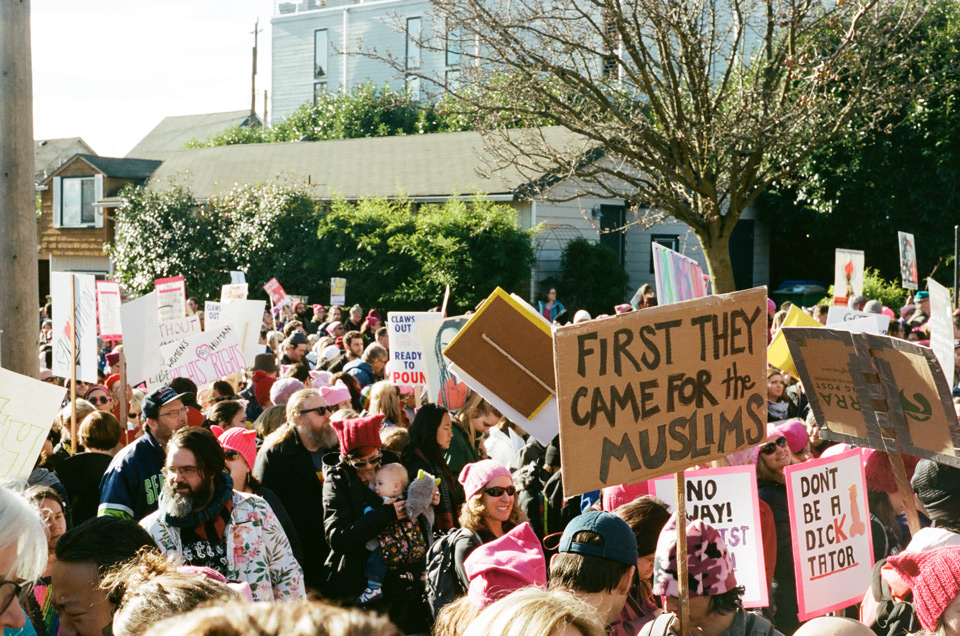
452 78
78 194
671 241
320 53
413 87
453 47
612 220
413 43
319 88
610 61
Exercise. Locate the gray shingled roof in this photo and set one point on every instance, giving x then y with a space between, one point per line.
413 165
50 154
117 167
173 133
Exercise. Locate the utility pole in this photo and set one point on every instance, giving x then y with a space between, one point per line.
19 287
253 75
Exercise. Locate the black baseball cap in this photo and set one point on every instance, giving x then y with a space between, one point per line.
150 407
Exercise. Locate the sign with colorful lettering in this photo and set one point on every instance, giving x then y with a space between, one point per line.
727 499
653 392
85 309
27 410
678 277
171 297
108 309
830 527
338 291
205 357
233 293
407 367
278 297
908 261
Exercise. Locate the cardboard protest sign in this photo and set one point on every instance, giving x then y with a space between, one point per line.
237 278
444 387
778 353
877 391
727 499
908 261
85 297
846 319
848 274
232 293
278 297
108 309
27 410
830 526
171 297
338 291
246 317
677 277
941 327
650 393
205 357
407 367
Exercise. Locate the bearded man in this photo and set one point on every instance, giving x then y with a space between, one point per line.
203 522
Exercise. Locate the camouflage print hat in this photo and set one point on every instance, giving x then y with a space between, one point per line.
709 567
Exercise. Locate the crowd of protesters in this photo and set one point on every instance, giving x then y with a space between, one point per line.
312 496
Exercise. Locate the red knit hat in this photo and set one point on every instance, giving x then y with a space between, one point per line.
876 463
262 389
934 577
361 434
242 440
112 379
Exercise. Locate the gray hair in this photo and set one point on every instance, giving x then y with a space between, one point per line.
374 352
20 524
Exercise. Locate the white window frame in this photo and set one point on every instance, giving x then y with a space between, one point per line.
325 53
58 202
414 56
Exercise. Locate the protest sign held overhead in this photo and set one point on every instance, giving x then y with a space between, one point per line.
941 328
727 499
847 275
445 388
85 312
278 297
141 341
246 317
171 297
650 393
877 391
233 293
27 410
237 278
677 277
204 357
108 310
407 367
338 291
908 261
778 353
846 319
830 526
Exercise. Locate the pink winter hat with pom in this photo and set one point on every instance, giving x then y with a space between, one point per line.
796 433
335 394
475 476
242 440
505 565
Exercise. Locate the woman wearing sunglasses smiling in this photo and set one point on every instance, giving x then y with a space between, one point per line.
771 458
100 397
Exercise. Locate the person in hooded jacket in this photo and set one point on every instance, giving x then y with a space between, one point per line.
353 514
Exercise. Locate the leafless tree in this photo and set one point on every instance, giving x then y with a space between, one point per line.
683 108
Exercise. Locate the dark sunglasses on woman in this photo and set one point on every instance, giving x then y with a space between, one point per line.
103 399
771 448
9 590
497 491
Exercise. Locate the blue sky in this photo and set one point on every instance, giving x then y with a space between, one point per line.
110 70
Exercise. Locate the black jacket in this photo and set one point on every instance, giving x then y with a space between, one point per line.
784 583
287 469
347 529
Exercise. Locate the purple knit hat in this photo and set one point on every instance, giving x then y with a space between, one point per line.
475 476
283 390
709 566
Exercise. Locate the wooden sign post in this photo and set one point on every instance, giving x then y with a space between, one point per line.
124 403
73 365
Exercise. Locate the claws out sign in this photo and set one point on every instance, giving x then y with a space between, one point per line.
830 526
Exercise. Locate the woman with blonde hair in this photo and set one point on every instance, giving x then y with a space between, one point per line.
385 400
471 423
534 611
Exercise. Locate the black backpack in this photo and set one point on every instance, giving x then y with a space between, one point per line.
894 618
441 580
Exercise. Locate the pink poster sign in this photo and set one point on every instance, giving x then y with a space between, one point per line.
274 289
108 310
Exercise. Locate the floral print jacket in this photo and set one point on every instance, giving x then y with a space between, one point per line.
258 552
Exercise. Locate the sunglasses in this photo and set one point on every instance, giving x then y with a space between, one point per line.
320 410
498 491
771 448
103 399
363 463
231 455
9 590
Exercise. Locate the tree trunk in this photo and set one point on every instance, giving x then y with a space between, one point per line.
19 290
716 249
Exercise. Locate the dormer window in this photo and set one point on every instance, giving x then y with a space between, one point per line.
74 200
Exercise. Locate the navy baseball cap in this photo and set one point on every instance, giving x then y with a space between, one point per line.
619 542
150 407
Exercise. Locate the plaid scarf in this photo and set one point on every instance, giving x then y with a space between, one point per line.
210 523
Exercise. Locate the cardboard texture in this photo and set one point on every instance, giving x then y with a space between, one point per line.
27 410
908 261
778 353
727 499
830 528
650 393
171 297
85 296
848 274
338 291
677 277
444 386
941 328
510 351
108 309
877 391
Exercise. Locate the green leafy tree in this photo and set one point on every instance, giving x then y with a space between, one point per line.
591 277
165 233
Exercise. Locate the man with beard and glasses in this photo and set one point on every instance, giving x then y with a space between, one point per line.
202 521
290 463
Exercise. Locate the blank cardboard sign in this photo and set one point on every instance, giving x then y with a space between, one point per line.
655 391
509 351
